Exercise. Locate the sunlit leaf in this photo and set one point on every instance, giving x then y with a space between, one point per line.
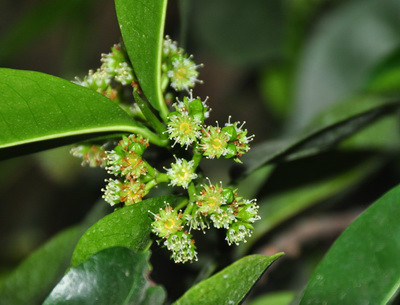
142 28
128 227
231 285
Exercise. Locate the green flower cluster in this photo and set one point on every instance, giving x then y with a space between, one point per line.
206 205
91 154
115 69
179 69
186 127
125 161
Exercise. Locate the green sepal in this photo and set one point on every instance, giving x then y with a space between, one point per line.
228 194
231 151
196 109
231 131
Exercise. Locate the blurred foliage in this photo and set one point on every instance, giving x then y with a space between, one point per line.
286 67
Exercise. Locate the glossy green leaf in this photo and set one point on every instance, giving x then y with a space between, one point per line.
275 298
114 276
318 179
362 266
36 107
32 281
231 285
327 130
127 227
347 43
142 28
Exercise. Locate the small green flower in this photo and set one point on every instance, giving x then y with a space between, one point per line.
167 222
210 198
181 173
183 128
247 211
129 192
92 155
183 74
133 142
112 60
223 217
237 232
132 191
125 163
124 74
195 107
170 47
214 142
182 247
111 192
97 81
197 221
238 137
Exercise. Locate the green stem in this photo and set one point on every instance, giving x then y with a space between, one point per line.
137 113
188 209
191 191
150 169
145 132
158 178
196 158
164 111
161 177
182 204
164 82
150 116
150 185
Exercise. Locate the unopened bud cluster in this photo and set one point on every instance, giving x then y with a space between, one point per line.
214 206
207 205
115 69
179 68
126 163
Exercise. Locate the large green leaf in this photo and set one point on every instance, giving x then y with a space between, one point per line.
318 179
37 275
231 285
36 107
128 227
142 28
340 53
362 266
112 276
328 129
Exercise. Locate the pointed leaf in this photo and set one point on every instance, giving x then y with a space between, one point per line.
36 107
231 285
127 227
328 129
112 276
142 28
318 185
362 266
